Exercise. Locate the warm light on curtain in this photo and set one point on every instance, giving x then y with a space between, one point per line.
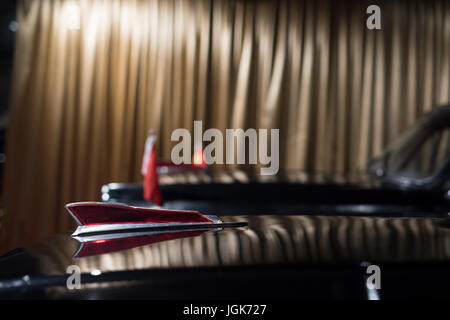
91 77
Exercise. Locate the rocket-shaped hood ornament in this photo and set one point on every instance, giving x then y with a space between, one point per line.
100 217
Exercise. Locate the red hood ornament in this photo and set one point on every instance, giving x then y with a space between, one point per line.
99 217
110 227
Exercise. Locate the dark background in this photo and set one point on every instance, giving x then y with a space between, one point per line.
7 17
7 34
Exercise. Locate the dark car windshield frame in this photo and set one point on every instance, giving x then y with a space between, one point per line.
403 150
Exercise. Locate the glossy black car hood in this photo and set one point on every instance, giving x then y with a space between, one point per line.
266 240
282 243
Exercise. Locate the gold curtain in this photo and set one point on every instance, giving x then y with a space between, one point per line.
92 76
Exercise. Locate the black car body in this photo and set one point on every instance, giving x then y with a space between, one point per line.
309 257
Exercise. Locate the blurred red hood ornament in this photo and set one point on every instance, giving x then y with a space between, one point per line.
152 191
99 217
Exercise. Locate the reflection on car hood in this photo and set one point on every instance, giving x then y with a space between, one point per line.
266 240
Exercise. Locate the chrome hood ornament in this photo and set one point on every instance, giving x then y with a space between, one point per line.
109 227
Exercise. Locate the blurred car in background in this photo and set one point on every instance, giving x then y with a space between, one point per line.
412 176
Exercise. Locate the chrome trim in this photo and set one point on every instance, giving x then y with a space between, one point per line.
99 228
163 227
110 236
95 237
72 215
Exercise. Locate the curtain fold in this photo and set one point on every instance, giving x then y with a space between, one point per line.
91 77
